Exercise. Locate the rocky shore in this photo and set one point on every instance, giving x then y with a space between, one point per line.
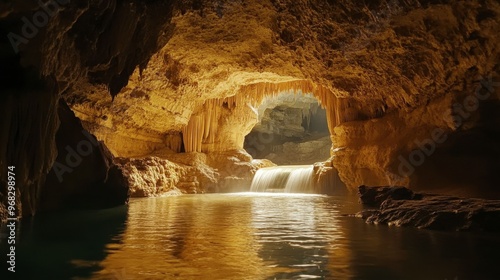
400 206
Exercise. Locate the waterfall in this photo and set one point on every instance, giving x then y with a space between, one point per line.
300 180
289 179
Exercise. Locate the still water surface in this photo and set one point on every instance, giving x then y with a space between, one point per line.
243 236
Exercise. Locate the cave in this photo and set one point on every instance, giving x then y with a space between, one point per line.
276 139
292 129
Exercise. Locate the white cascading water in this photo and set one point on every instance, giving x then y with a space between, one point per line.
300 180
289 179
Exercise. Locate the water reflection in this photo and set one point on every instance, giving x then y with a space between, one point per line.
300 233
280 236
244 236
382 252
65 245
241 236
188 238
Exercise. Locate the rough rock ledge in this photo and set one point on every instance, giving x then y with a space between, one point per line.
402 207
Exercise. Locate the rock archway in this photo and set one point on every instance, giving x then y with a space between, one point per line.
292 130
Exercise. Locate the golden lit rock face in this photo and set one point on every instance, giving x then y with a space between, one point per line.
208 58
172 174
368 151
388 74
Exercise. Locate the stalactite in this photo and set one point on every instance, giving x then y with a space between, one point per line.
202 127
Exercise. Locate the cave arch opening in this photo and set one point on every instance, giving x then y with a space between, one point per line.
292 129
223 124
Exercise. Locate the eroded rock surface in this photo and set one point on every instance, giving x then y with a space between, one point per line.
292 129
400 206
91 42
84 174
175 174
402 68
151 176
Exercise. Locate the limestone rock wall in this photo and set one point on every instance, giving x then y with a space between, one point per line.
84 174
150 176
174 174
434 148
47 48
286 113
27 140
292 129
400 67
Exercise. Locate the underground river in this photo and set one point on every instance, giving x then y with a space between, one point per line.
243 236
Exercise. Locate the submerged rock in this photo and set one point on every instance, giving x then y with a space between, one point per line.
402 207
